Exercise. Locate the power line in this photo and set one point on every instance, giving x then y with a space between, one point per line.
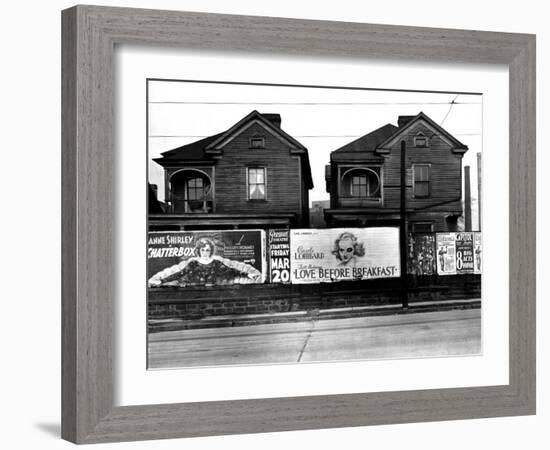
448 112
296 136
310 103
308 86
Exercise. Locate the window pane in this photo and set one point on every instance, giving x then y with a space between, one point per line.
422 227
257 142
255 176
260 176
256 191
365 184
420 173
359 180
422 189
256 183
195 194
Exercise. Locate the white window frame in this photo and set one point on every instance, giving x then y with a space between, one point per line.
248 183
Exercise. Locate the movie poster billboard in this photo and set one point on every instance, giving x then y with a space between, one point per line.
338 254
446 253
279 255
421 257
478 253
464 252
206 258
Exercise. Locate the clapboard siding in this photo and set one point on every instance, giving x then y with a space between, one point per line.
283 180
445 178
445 170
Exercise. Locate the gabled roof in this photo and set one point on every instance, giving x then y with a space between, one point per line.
368 142
221 140
458 147
193 151
211 147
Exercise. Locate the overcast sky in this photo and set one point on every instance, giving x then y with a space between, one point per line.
322 119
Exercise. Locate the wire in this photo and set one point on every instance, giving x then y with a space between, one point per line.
296 136
448 112
311 103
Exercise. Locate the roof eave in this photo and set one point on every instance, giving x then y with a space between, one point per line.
460 150
382 151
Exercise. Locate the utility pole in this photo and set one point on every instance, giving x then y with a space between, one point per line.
403 228
479 190
467 200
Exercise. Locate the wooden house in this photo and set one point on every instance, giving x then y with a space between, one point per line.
252 175
364 177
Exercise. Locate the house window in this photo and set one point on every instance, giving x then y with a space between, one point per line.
195 189
421 180
257 142
422 227
191 192
359 186
420 141
256 183
361 182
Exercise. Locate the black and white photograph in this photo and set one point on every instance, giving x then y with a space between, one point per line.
276 225
293 224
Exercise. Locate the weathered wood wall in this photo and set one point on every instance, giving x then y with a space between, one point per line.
283 185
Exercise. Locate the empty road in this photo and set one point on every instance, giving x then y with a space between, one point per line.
442 333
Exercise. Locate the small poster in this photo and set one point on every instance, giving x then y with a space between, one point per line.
478 253
279 255
464 252
446 253
421 258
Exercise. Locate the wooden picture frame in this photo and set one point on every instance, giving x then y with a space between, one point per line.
89 37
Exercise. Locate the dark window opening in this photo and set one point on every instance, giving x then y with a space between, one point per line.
191 192
421 141
421 180
257 142
422 227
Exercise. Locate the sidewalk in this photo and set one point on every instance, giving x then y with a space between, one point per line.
236 320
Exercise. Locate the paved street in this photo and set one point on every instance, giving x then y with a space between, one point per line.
442 333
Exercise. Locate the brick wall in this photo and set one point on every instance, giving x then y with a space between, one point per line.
195 303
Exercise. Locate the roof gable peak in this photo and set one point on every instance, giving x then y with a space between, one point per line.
270 121
408 122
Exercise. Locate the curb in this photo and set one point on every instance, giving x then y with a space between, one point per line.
156 326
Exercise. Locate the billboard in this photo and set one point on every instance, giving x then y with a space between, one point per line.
446 253
206 258
279 255
421 256
458 253
464 253
478 253
336 254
